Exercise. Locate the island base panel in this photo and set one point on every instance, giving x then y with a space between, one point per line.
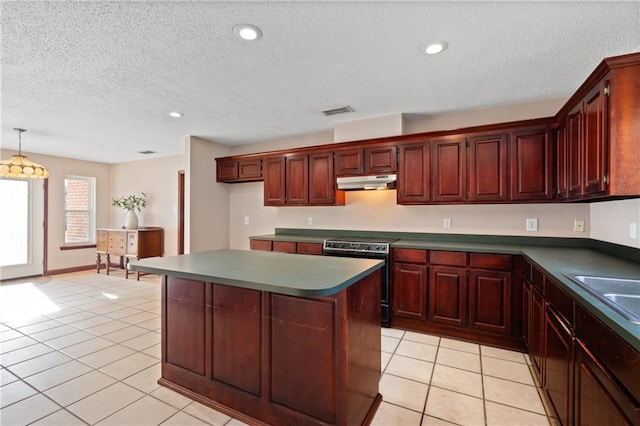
267 358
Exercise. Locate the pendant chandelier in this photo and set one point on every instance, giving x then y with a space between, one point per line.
19 167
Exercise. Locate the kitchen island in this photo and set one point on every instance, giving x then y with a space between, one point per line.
272 338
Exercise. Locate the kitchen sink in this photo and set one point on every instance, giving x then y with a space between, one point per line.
621 295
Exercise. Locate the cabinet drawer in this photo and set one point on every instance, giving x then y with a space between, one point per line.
310 248
450 258
409 255
265 245
499 262
285 246
102 243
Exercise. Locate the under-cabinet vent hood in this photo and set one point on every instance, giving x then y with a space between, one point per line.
354 183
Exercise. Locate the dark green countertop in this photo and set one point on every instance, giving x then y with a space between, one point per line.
556 257
292 274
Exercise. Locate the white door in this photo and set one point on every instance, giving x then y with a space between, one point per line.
21 228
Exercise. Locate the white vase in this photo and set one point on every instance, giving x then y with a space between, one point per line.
131 221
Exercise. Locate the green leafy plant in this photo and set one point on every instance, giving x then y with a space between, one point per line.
131 202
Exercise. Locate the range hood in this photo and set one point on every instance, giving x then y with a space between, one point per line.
354 183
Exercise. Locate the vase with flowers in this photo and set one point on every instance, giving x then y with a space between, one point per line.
130 203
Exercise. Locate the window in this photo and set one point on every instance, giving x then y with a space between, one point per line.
79 210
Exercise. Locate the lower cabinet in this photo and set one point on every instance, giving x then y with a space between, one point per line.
597 397
558 366
409 299
589 375
448 295
465 295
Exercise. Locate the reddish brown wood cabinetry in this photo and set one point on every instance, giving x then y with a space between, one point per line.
230 170
375 159
531 164
467 295
488 168
409 298
598 399
381 159
414 174
285 246
274 181
558 366
296 180
265 245
349 161
270 358
409 283
301 180
562 165
595 141
449 170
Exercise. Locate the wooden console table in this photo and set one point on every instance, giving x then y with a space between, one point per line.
128 244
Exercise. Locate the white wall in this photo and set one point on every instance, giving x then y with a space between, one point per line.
610 221
157 177
59 168
206 201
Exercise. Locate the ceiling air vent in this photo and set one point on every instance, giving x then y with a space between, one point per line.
147 152
340 110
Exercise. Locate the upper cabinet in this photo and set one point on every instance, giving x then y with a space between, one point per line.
301 180
601 129
230 170
588 151
366 160
449 169
531 164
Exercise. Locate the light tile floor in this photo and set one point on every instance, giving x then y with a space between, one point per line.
84 348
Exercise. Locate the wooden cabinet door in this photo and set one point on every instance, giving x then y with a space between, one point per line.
526 314
488 176
531 164
595 141
448 295
414 174
537 331
349 161
322 181
226 170
297 180
562 166
490 301
274 181
574 152
409 298
249 169
558 366
449 170
382 159
598 400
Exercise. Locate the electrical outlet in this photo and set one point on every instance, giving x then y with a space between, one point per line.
309 220
446 222
246 220
578 225
532 224
633 230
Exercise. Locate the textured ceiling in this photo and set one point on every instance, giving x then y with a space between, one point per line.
95 80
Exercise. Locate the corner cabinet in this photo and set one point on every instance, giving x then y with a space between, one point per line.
301 180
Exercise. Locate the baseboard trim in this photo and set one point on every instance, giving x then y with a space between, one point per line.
69 270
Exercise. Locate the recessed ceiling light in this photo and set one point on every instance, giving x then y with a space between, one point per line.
247 32
175 114
434 48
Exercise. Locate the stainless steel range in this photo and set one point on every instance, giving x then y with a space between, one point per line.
367 248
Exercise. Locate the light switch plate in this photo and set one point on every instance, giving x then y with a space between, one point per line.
578 225
310 220
532 224
633 230
246 220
